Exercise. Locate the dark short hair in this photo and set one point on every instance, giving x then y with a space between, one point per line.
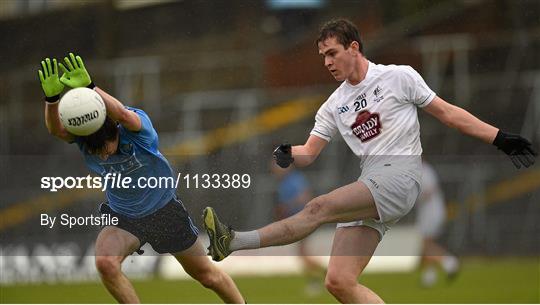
94 143
343 30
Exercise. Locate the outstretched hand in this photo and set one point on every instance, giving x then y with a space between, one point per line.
518 148
50 82
75 75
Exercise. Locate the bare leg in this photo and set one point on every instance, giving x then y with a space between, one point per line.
432 252
313 270
350 202
345 267
113 245
311 266
199 267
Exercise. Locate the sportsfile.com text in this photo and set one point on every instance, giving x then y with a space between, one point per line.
116 180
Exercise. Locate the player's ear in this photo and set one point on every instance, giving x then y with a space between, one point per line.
355 47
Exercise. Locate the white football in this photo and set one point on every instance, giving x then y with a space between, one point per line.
82 111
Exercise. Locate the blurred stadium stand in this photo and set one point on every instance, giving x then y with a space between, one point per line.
213 74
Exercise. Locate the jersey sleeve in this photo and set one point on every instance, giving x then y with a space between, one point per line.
147 136
325 124
415 89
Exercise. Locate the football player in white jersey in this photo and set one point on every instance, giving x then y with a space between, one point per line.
375 111
430 219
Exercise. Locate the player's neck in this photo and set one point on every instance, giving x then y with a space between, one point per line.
360 71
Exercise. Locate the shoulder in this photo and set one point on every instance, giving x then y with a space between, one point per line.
406 73
395 71
138 111
146 123
147 130
398 76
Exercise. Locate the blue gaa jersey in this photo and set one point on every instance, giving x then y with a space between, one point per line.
293 185
137 157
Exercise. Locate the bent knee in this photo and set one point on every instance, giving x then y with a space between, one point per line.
337 284
107 266
318 208
208 278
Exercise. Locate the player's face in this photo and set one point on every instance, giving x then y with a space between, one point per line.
109 149
338 60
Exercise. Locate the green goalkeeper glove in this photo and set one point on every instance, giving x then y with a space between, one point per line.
50 82
75 75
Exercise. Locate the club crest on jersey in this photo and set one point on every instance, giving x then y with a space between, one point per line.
377 92
366 126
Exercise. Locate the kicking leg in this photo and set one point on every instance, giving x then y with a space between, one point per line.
352 250
198 266
348 203
113 245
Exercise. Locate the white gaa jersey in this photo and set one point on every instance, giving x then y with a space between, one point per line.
377 117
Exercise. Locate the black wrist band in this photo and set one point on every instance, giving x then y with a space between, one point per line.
52 99
91 85
498 139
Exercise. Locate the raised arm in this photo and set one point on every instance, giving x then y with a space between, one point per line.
75 75
305 154
116 111
458 118
301 155
52 87
518 148
54 126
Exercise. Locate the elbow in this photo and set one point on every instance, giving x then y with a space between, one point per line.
121 117
55 133
311 158
52 131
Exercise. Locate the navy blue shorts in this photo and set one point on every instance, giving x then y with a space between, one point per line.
168 230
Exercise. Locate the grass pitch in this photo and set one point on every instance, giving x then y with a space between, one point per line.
480 281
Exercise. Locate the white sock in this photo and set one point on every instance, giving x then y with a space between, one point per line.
245 240
450 264
429 277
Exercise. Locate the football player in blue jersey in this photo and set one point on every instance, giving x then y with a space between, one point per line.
127 144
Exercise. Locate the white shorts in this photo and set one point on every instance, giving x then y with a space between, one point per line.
394 193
